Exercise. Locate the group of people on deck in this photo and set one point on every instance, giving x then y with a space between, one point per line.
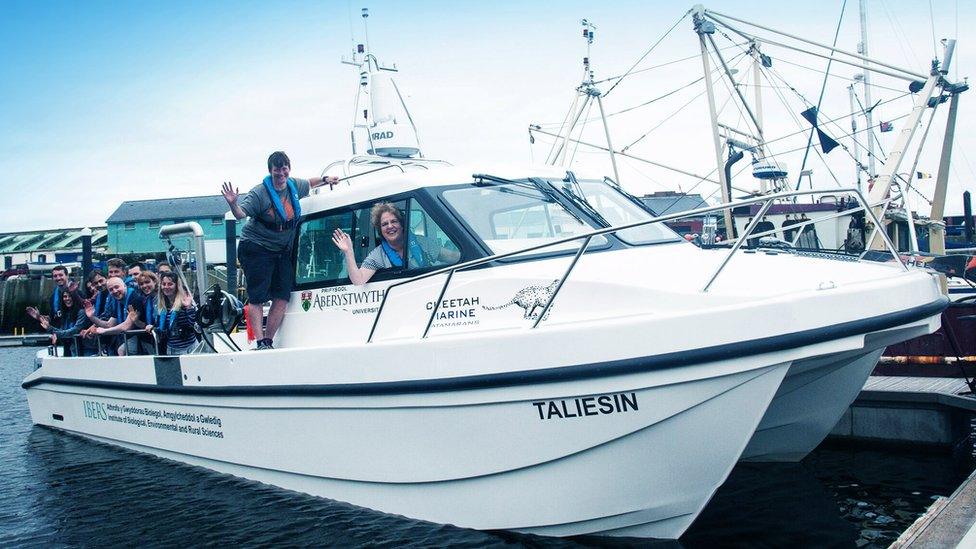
101 318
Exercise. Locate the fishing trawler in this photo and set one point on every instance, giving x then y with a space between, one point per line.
539 377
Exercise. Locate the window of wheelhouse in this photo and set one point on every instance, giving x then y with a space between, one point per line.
320 263
516 215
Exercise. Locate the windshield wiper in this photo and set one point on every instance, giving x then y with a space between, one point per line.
637 201
549 195
484 180
574 192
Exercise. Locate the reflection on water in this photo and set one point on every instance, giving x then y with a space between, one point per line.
65 490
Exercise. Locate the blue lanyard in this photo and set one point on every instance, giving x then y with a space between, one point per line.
167 320
123 306
276 200
414 250
150 309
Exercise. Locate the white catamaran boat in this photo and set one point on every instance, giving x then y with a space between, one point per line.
566 364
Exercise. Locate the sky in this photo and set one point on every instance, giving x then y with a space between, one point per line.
102 102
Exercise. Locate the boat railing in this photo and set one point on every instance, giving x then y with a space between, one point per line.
803 224
766 202
77 341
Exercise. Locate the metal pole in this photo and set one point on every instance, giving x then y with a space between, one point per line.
569 131
882 183
86 255
937 230
756 75
907 74
738 92
230 232
857 147
862 48
739 241
713 115
606 129
185 229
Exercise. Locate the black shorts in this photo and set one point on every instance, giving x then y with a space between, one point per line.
270 275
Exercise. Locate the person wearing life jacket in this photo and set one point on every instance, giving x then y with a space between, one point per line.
52 307
132 278
116 267
73 323
147 282
398 249
128 308
173 316
98 293
273 209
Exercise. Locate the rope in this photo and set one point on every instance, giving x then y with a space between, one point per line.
823 88
646 53
669 117
665 64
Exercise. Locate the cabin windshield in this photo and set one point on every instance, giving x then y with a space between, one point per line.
515 215
616 208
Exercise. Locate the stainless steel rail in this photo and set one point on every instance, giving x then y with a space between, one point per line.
766 202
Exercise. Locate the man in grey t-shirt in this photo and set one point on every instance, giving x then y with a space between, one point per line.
265 248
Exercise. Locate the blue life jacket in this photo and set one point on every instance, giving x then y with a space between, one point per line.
285 223
167 320
417 256
121 308
56 301
100 302
150 309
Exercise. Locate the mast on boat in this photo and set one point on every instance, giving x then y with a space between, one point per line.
590 93
862 48
931 90
381 119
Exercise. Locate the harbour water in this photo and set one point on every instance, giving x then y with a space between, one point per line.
64 491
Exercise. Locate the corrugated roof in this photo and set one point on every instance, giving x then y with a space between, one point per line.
169 208
53 239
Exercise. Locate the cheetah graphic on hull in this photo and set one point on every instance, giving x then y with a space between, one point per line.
529 299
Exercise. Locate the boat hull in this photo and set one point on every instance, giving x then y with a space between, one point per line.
631 455
815 394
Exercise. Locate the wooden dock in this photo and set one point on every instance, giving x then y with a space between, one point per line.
949 391
948 523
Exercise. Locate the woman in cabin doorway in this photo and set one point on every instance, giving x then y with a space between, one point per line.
398 248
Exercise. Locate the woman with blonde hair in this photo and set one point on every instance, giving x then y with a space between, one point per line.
175 316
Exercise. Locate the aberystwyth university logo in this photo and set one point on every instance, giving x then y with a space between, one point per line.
306 301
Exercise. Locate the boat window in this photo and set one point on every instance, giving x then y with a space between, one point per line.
512 216
320 263
618 209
